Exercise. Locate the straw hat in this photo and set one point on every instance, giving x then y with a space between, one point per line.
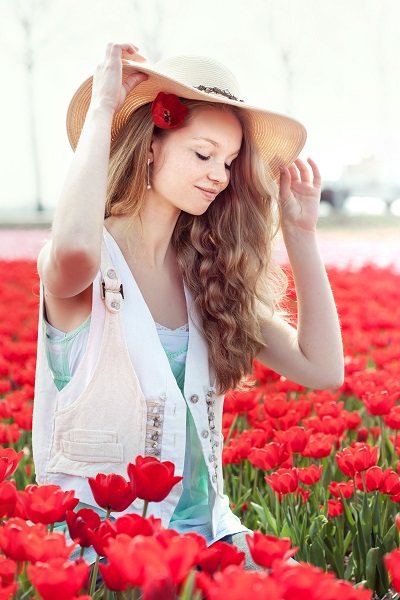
279 138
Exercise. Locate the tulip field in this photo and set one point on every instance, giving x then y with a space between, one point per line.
315 474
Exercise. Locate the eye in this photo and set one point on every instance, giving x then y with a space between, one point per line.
201 156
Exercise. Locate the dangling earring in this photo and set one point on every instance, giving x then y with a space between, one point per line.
148 174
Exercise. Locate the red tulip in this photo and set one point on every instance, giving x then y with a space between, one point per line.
295 438
15 537
269 457
357 458
392 564
392 419
266 549
319 445
151 479
8 498
112 578
134 525
42 548
276 405
8 569
111 492
390 483
242 401
283 481
309 475
80 523
100 537
373 478
362 434
48 503
58 578
236 584
218 556
345 487
335 508
9 460
378 403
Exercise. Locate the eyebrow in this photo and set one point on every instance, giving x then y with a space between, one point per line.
213 142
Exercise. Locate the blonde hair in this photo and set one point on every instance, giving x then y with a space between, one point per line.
225 254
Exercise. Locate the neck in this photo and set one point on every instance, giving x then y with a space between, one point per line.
150 233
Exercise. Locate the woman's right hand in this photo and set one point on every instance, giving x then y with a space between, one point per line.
109 91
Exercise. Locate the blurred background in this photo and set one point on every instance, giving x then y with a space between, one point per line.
332 64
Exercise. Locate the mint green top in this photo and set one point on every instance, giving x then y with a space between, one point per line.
192 509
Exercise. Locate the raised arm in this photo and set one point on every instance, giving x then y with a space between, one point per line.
69 263
312 355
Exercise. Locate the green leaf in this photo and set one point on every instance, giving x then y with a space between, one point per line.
239 503
366 519
388 541
317 526
370 567
317 554
349 571
262 515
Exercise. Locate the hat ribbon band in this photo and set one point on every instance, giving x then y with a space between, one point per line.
216 90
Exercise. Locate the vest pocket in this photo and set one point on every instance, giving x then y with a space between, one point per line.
87 452
91 452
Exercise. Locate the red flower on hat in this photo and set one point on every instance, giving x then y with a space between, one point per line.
168 111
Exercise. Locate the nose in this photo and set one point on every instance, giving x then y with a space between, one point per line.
219 173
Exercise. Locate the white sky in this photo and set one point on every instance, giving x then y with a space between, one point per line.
344 57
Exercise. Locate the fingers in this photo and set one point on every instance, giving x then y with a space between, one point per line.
316 174
284 183
299 171
133 80
114 49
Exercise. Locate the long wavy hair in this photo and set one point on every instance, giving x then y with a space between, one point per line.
225 254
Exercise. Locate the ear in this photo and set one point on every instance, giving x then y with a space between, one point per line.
150 154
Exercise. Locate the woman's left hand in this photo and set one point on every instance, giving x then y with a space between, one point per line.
300 194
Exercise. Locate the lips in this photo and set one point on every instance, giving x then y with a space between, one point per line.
209 192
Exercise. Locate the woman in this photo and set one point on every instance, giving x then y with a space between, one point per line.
149 315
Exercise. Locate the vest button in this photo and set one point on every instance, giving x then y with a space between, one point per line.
204 433
115 304
194 398
111 274
214 478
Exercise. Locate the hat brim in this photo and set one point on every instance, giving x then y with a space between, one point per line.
279 138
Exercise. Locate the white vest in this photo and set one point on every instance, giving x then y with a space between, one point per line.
104 417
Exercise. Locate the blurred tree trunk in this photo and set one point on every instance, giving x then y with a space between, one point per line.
26 19
156 25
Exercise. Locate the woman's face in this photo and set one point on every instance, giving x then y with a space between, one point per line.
191 164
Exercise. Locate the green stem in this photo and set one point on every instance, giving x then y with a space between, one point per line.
145 506
93 578
382 440
255 482
385 517
278 514
240 477
232 427
135 593
355 493
95 570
